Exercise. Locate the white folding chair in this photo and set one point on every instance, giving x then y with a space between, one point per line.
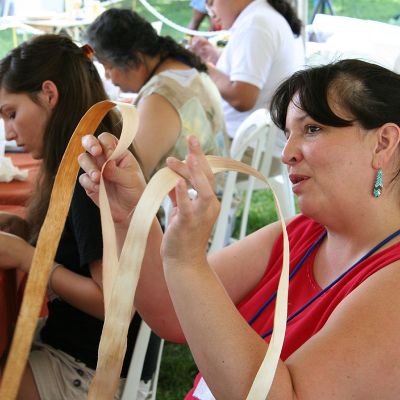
277 174
258 134
136 366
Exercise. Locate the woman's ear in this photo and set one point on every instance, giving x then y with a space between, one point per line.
50 93
388 141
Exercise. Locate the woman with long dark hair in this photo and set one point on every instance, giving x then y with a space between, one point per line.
46 86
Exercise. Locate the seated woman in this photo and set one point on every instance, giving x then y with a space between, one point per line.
46 85
260 53
342 124
176 97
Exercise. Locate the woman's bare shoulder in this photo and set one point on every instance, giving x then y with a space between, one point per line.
355 355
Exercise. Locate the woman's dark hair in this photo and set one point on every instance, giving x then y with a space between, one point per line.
287 11
58 59
120 36
369 92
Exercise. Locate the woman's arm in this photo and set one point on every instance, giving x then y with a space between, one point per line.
15 252
81 292
240 95
156 136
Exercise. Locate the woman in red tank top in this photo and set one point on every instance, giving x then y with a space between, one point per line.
342 123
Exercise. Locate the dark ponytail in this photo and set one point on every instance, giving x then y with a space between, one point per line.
286 10
170 48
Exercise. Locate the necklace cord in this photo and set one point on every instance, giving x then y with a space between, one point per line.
323 291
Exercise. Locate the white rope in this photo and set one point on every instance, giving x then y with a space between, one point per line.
175 26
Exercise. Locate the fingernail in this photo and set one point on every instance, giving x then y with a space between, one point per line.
85 140
93 174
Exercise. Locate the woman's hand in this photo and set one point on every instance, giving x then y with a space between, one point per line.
123 177
15 252
204 49
11 223
186 238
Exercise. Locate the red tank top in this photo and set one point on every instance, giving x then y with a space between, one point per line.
303 233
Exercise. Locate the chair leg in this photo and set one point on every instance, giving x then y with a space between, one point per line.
154 381
285 195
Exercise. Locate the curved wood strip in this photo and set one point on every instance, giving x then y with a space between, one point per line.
113 341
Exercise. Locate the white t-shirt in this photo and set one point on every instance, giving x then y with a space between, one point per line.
261 51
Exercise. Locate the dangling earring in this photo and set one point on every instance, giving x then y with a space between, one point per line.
378 186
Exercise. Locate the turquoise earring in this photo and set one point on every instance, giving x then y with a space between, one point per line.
378 186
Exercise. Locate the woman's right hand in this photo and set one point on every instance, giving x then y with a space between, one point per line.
123 177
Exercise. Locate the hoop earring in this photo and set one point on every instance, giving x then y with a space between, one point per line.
378 186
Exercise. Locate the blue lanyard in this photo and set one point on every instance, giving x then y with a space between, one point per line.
318 295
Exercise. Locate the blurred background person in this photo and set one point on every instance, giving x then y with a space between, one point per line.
176 97
41 109
260 53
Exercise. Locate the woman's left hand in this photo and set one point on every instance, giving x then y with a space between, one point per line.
15 252
11 223
186 238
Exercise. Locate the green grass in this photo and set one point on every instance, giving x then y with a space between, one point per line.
177 372
377 10
262 212
177 11
6 42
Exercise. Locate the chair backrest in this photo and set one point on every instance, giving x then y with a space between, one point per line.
251 141
255 143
